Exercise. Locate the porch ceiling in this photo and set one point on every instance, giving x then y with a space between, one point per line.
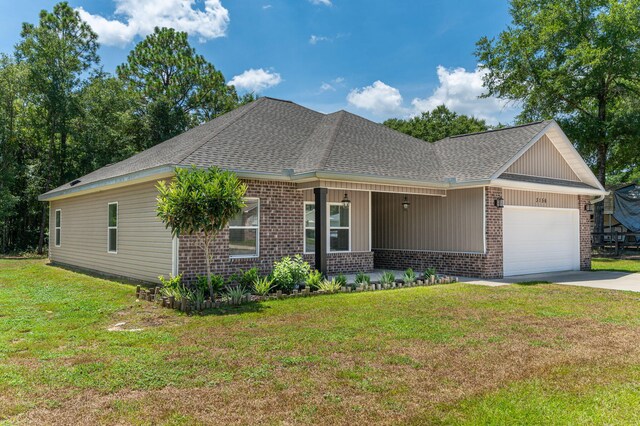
353 186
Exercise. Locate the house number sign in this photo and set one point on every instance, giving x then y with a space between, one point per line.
541 200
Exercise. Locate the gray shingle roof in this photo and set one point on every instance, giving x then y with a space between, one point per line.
281 137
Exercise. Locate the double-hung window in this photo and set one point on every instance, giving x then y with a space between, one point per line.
58 228
339 227
112 228
244 230
309 227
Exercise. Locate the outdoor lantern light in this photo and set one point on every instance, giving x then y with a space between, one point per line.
345 200
499 202
405 203
588 207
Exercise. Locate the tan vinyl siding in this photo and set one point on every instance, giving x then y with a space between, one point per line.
543 159
513 197
452 223
144 245
359 215
371 187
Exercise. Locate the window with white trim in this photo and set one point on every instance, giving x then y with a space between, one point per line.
112 228
244 230
58 228
339 227
309 227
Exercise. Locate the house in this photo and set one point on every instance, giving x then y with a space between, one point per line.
349 194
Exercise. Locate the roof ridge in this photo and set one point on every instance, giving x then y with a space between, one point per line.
250 107
495 130
332 137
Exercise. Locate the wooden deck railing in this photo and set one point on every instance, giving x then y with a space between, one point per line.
616 241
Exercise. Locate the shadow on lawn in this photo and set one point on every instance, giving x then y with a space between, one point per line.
245 308
533 282
101 275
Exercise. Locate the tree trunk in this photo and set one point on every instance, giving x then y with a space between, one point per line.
603 148
43 223
207 260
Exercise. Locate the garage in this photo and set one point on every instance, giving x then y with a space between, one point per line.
540 239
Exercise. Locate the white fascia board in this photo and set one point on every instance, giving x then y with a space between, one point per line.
540 187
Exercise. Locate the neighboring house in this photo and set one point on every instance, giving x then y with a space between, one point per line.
407 203
621 215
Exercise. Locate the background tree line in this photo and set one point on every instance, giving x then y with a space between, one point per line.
62 116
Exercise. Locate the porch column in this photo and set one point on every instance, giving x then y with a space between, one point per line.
321 229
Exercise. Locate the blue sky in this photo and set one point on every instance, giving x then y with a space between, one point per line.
375 58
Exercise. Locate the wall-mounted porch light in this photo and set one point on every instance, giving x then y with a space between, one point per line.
346 201
499 202
588 207
405 203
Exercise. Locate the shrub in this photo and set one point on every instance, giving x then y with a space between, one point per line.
362 278
330 286
314 279
387 278
409 276
217 284
341 279
262 286
429 272
236 294
289 273
249 277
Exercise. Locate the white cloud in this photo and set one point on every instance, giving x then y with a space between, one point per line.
378 98
314 39
139 17
459 91
325 87
255 80
266 6
321 2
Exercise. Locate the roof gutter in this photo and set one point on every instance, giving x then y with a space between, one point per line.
542 187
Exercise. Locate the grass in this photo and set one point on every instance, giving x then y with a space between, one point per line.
449 354
621 265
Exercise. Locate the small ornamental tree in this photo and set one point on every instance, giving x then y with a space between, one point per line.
200 202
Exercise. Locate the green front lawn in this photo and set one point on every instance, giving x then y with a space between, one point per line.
447 354
622 265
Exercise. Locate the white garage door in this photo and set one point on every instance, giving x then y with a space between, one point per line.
540 240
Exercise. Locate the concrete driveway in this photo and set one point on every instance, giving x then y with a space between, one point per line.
597 279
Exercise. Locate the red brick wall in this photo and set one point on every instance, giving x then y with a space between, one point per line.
585 234
485 265
281 234
357 261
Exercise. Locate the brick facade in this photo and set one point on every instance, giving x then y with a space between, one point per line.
357 261
585 234
484 265
281 234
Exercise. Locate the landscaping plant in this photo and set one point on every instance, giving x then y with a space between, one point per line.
341 279
314 279
409 276
217 284
200 202
290 272
387 278
362 279
262 286
236 294
430 272
330 286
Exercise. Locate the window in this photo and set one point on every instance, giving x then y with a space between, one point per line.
339 227
58 227
309 227
112 228
244 230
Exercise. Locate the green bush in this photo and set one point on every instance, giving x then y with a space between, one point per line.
248 277
387 278
429 272
409 276
314 279
289 273
217 284
362 278
262 286
341 280
173 286
330 286
235 295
